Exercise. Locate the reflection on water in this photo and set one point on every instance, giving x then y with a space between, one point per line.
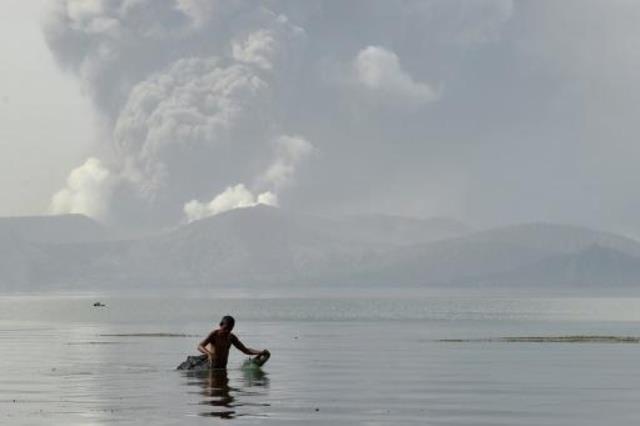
224 400
448 367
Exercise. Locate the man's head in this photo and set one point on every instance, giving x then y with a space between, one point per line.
227 322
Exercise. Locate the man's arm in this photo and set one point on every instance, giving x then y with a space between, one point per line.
242 348
202 347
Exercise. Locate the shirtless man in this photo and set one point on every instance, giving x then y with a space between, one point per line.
217 343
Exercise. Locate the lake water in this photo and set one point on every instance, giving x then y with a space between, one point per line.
335 361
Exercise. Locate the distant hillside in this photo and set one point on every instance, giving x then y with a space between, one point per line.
594 266
377 228
72 228
556 237
16 262
265 246
261 245
481 256
269 245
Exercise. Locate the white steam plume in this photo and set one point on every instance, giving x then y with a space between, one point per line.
289 152
234 197
88 191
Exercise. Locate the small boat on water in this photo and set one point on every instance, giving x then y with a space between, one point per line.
99 305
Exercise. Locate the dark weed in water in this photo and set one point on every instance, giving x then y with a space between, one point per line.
550 339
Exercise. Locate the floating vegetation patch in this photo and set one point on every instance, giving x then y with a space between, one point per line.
149 335
549 339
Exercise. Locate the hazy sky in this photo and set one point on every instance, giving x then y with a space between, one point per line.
164 111
45 123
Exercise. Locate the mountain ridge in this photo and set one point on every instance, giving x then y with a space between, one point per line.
264 246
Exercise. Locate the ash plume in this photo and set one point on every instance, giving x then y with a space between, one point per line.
220 100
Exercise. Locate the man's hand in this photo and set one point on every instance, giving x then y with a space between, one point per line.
263 356
202 349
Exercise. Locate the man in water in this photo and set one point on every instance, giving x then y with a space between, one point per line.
217 343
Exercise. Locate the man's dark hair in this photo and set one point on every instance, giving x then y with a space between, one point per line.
229 320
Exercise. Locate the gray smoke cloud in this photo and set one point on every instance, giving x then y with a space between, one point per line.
213 105
188 89
379 72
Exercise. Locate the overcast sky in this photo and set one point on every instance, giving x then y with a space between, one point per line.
160 112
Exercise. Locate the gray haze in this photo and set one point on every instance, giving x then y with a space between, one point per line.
491 112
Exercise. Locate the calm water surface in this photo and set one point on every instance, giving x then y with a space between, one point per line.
353 361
